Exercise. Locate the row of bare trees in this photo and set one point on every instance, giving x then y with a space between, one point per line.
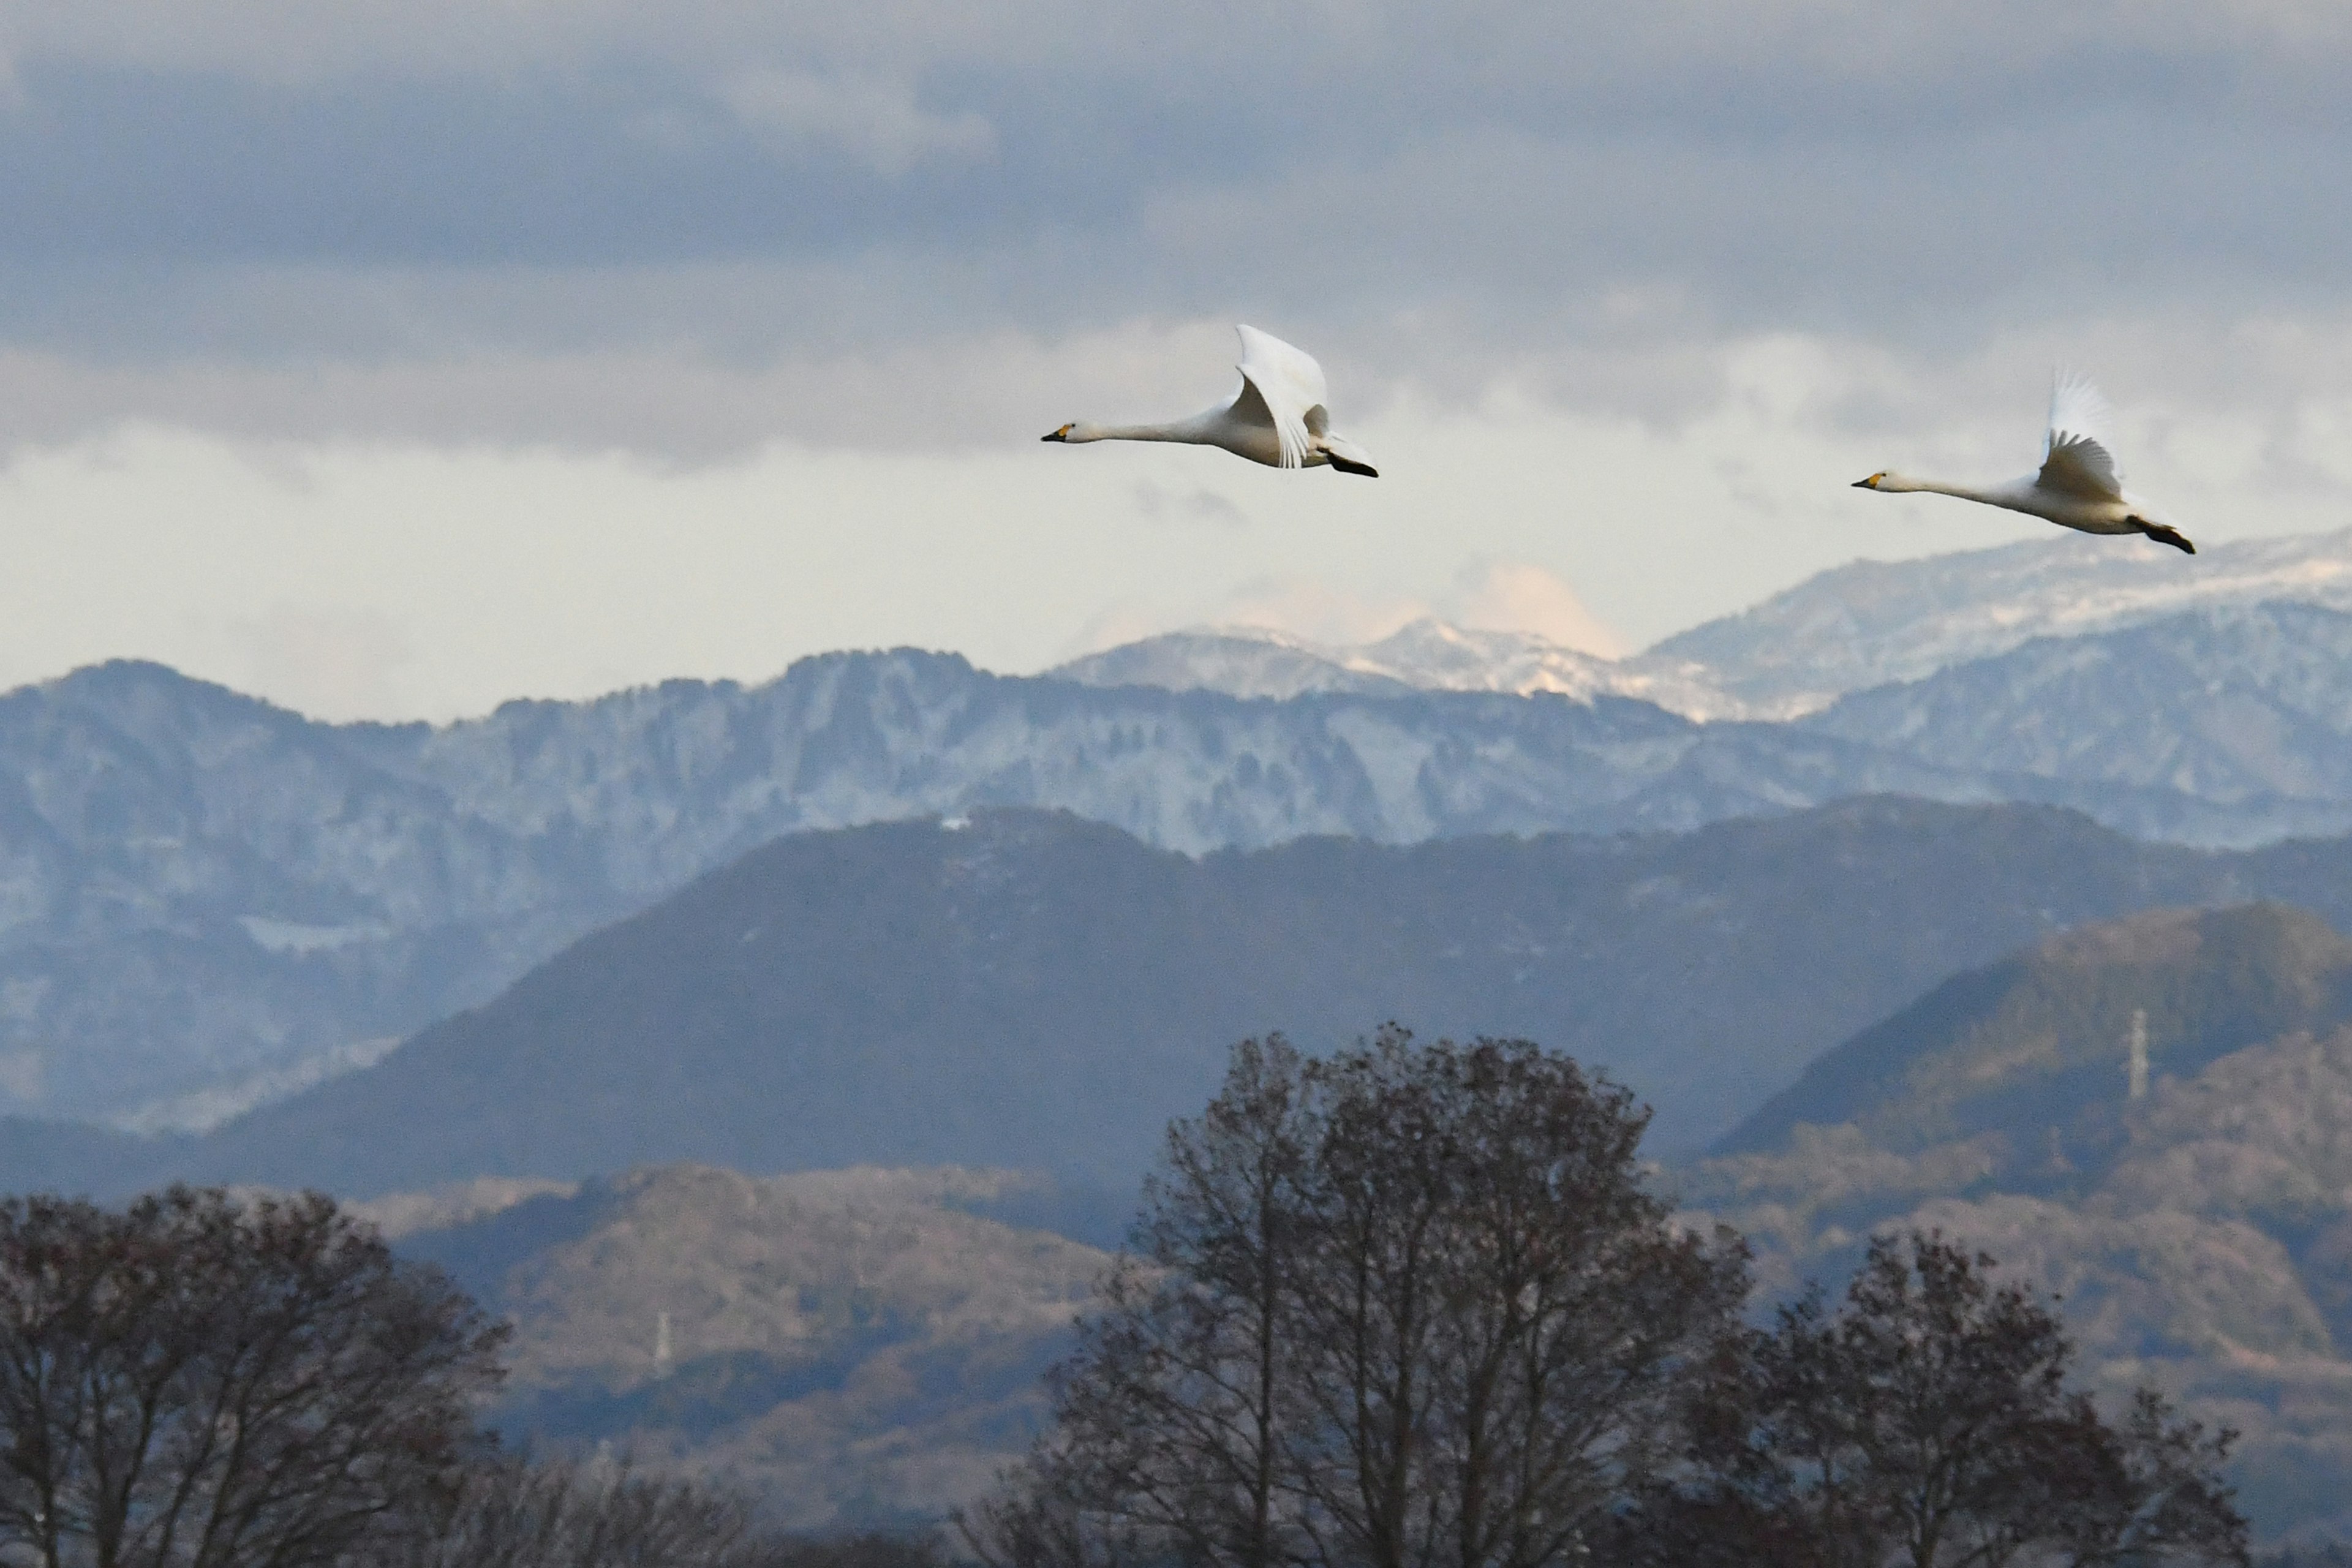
1417 1307
512 1511
1404 1307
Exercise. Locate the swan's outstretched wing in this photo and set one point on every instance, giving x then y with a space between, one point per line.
1289 387
2077 454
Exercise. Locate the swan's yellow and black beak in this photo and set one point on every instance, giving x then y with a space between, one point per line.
1869 484
1061 434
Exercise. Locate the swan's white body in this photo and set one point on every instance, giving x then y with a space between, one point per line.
2078 484
1277 416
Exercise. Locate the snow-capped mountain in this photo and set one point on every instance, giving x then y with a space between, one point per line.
1874 622
1846 630
2246 707
1426 654
1239 661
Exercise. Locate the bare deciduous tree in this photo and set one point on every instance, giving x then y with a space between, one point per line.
1409 1305
514 1512
1928 1422
202 1381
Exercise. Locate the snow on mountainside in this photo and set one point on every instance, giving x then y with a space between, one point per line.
1240 661
1875 622
1425 655
2246 707
1844 630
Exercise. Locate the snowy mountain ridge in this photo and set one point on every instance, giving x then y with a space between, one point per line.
1857 627
1873 623
1424 654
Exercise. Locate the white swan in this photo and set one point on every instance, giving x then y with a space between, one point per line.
2078 484
1277 418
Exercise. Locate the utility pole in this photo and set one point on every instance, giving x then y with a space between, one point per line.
2138 1068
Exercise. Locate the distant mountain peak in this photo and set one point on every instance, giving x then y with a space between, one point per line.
1875 622
1424 655
115 684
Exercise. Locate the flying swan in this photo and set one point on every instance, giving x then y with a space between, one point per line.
1277 417
2078 484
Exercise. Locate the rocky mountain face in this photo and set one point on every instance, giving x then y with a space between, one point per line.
2195 1213
862 1347
1029 989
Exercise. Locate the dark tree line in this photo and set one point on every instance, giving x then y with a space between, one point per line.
1416 1306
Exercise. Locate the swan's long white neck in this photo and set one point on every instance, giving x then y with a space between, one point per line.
1992 495
1190 430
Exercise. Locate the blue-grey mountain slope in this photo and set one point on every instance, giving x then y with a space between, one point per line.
2246 707
207 902
1036 991
203 898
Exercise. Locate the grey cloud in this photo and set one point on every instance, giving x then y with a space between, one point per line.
715 196
873 120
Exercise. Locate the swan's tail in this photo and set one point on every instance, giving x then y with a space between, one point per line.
1348 457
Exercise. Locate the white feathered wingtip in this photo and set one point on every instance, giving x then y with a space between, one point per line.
1288 381
2077 408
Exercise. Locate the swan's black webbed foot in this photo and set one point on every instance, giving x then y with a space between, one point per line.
2165 534
1345 467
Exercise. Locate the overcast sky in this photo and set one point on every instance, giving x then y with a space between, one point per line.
393 359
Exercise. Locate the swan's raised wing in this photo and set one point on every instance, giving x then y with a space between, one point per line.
2078 454
1289 386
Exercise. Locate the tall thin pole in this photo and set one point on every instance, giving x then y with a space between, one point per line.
2138 1068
